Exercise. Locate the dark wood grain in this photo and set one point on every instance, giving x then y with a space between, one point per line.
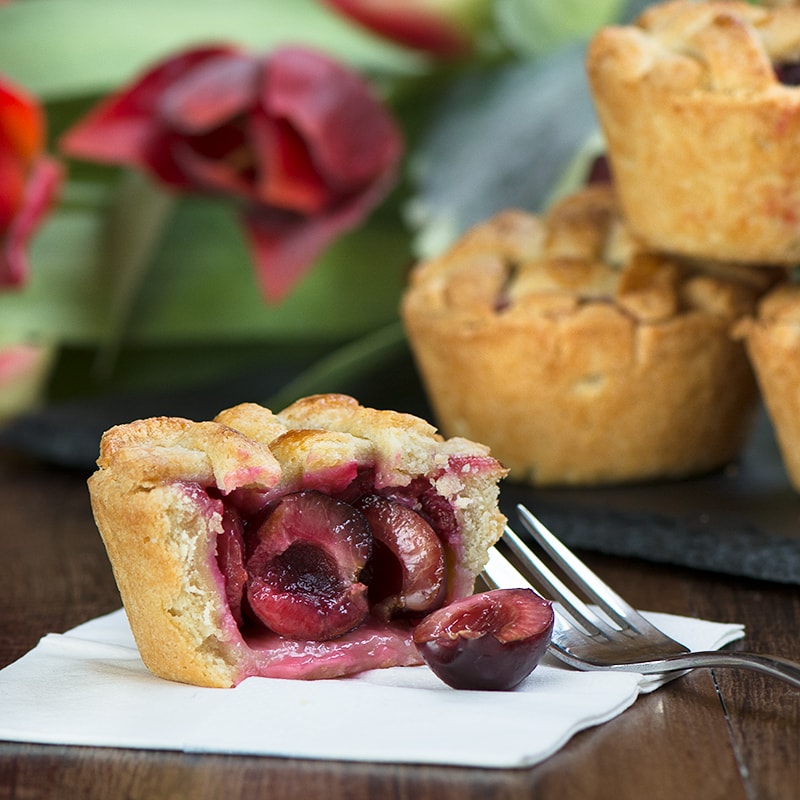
730 735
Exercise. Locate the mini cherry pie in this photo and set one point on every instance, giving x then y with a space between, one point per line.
580 356
303 544
700 110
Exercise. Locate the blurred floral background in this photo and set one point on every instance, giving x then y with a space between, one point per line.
231 194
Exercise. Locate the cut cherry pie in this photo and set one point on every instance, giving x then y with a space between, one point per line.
303 544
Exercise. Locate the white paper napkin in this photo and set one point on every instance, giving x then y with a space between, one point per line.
89 687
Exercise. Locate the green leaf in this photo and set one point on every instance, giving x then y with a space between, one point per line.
205 286
501 139
538 26
64 299
201 285
64 48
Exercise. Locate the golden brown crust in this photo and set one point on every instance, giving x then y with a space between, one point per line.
557 351
169 448
160 528
700 134
772 337
159 543
160 539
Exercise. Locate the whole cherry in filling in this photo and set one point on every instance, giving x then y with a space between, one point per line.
304 572
407 570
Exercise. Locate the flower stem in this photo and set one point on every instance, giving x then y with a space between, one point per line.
342 366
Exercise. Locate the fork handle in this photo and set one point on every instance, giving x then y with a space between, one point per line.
775 666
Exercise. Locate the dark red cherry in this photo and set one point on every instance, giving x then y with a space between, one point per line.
492 640
599 170
230 558
788 73
408 566
304 573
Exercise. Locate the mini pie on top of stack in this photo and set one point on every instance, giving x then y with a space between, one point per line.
702 134
580 356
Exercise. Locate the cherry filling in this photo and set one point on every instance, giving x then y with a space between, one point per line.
230 557
408 565
599 170
313 566
303 575
788 73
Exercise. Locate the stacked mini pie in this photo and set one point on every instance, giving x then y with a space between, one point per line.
607 339
701 134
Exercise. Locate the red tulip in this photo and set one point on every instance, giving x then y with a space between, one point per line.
444 28
28 180
295 139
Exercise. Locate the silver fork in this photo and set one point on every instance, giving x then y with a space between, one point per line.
613 635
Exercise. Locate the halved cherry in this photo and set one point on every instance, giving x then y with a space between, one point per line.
303 575
408 566
230 558
492 640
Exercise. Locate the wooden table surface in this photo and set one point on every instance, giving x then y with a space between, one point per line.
726 735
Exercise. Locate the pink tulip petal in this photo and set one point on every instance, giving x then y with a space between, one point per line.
285 246
159 156
211 94
118 130
24 369
21 122
17 362
12 186
215 175
220 161
40 192
288 178
294 138
418 28
352 136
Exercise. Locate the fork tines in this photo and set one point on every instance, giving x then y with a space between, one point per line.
621 613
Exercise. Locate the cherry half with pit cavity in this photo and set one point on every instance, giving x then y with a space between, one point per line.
304 573
490 641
